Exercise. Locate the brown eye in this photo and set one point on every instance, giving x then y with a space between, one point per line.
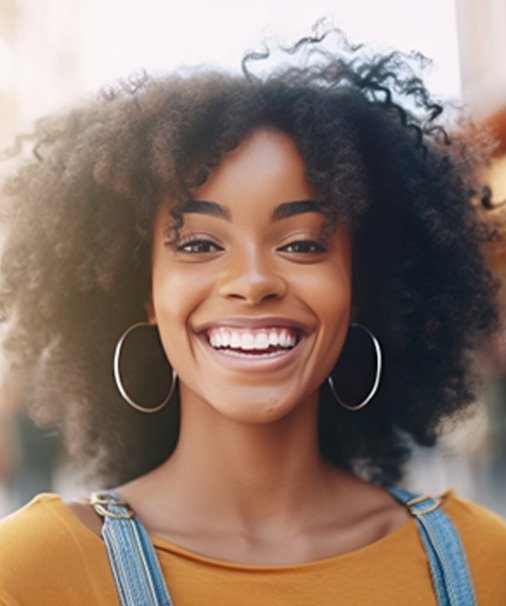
304 247
198 247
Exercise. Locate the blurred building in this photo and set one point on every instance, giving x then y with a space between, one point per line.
482 48
40 57
8 106
40 60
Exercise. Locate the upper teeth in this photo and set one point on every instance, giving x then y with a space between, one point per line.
248 339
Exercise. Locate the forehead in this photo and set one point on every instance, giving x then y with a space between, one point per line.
265 168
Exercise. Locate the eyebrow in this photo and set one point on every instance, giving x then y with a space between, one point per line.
207 208
282 211
297 207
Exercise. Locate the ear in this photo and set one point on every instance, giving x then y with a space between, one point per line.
150 312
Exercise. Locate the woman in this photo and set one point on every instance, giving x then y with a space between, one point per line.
302 249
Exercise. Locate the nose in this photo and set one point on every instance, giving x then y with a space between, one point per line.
251 277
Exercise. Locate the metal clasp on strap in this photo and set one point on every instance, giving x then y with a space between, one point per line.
101 502
417 508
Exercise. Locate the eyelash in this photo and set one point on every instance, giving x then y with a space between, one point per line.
196 246
311 247
196 243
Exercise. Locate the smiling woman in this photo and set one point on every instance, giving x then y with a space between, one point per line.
286 274
249 266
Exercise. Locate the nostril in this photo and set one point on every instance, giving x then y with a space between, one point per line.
245 288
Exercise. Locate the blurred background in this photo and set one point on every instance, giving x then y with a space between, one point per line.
53 52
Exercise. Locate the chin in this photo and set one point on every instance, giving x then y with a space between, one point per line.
254 414
260 409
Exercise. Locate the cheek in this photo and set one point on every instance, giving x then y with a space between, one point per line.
173 302
329 295
330 284
169 305
328 290
176 293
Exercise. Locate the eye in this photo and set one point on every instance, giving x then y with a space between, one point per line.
304 247
198 246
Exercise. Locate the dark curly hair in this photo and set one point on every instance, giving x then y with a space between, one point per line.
76 262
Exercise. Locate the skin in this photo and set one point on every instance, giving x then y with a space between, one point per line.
251 485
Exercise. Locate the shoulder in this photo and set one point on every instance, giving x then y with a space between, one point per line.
483 535
41 531
476 524
46 543
37 520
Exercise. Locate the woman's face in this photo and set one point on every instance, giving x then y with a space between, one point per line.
252 303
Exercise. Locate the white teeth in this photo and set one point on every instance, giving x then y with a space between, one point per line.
248 340
215 339
261 341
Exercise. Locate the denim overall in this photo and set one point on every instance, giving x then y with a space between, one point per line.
139 579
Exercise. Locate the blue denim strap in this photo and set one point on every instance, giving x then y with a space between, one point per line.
132 557
447 560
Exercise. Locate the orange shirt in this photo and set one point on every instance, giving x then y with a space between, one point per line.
48 557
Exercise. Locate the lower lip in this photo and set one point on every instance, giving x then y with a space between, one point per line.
259 362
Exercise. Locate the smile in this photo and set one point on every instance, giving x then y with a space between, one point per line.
253 342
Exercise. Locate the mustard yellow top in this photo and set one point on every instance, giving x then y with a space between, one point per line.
48 557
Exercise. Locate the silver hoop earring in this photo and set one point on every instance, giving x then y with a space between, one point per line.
119 381
374 389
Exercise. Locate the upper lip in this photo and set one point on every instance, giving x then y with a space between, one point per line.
255 322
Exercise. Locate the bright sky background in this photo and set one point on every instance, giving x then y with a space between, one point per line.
119 36
67 48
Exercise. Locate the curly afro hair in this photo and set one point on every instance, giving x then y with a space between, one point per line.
78 219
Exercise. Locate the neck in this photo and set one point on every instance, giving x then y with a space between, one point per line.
246 473
257 493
